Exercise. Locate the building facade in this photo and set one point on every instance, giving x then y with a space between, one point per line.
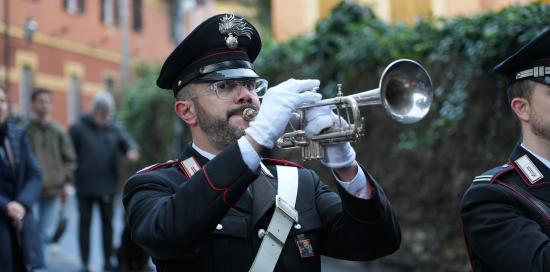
291 18
77 48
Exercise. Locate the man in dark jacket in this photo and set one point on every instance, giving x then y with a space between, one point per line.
220 207
98 141
20 186
506 210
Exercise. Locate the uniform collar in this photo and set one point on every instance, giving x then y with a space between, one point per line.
540 158
191 152
204 153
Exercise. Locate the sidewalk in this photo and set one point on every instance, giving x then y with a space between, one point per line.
65 255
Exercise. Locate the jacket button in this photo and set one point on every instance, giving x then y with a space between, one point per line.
261 233
219 227
297 226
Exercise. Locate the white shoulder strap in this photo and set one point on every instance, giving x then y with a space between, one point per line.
285 215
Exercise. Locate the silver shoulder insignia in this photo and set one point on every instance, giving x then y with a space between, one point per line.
483 178
489 175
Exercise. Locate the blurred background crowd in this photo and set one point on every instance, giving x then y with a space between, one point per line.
66 66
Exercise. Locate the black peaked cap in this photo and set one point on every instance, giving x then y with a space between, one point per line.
532 61
222 47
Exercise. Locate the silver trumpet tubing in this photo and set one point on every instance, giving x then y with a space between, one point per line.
405 91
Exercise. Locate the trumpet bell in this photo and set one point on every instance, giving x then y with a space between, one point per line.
406 91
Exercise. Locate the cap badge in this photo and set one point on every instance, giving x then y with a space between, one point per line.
234 27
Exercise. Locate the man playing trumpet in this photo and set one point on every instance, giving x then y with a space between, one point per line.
220 206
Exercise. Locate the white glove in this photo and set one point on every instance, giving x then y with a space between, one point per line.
277 106
336 155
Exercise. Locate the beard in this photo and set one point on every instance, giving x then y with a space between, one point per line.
540 126
218 130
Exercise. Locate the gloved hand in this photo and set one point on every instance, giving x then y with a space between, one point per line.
336 155
277 106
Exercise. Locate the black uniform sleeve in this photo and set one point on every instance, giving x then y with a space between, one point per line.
354 228
500 233
169 216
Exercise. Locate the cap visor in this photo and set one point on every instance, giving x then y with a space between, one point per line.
228 74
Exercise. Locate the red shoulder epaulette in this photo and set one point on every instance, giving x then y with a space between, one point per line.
157 165
271 161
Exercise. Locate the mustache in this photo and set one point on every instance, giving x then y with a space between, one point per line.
239 111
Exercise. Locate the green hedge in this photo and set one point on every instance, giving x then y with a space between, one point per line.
352 47
148 113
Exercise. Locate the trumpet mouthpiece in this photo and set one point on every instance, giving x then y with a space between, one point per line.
249 114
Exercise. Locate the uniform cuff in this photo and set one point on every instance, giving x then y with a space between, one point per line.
358 186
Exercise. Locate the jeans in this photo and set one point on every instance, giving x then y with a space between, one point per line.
48 215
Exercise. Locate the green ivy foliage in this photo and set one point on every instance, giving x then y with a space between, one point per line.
352 47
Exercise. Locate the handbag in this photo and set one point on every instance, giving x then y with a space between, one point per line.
62 219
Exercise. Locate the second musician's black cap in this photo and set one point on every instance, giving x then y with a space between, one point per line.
222 47
532 61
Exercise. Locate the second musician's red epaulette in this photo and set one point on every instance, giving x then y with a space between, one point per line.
270 161
157 165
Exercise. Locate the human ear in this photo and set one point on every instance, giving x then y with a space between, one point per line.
521 108
185 110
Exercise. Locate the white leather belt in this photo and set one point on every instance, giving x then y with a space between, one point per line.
283 218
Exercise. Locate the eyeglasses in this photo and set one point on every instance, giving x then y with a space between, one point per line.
230 89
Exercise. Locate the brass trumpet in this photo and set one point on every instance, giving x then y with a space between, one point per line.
405 91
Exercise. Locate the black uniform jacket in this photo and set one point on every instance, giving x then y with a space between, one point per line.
211 221
506 216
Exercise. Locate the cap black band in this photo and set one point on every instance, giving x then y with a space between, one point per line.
224 65
538 71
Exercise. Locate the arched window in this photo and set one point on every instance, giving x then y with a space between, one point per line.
137 15
25 90
109 12
73 107
74 6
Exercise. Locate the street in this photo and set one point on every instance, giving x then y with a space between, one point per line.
65 255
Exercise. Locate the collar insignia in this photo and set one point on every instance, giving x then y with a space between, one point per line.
190 166
529 169
234 27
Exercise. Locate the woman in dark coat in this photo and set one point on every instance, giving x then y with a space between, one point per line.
20 186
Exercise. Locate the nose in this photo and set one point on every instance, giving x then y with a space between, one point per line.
244 95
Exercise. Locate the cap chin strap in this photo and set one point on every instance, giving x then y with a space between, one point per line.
283 218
